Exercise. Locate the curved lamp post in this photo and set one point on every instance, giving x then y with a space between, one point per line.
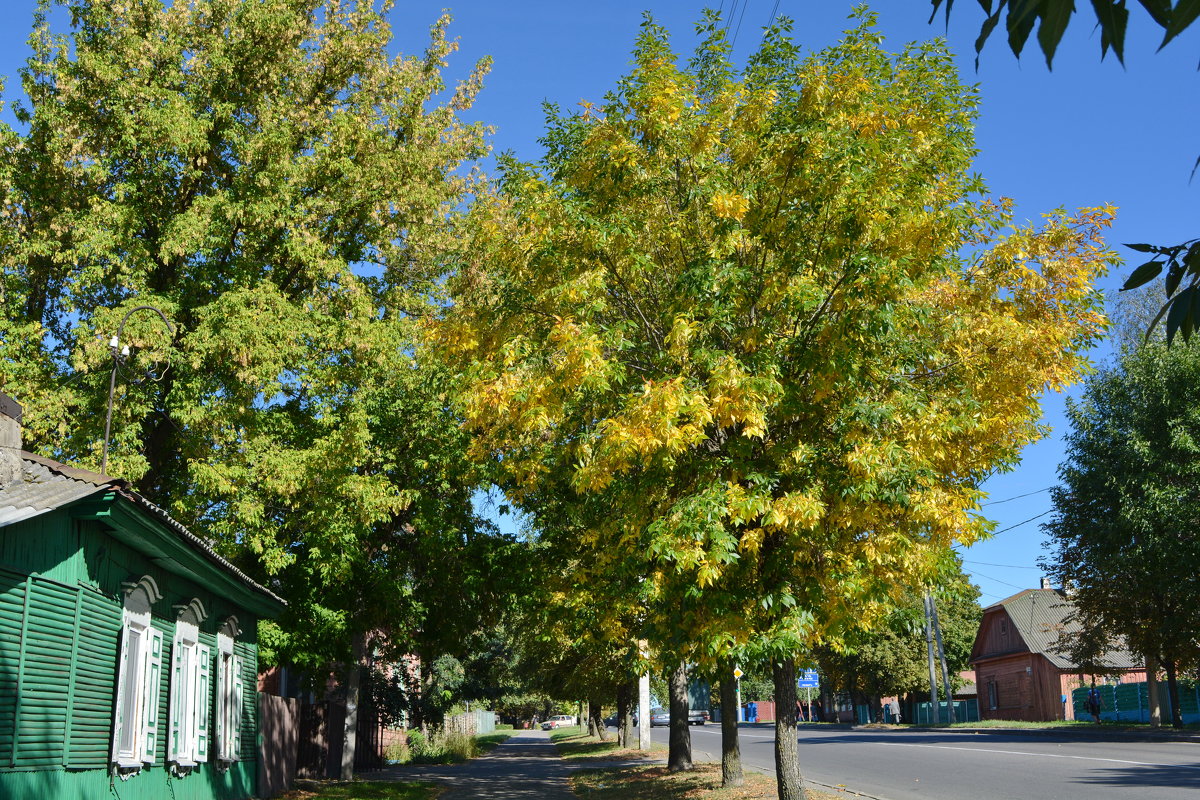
119 353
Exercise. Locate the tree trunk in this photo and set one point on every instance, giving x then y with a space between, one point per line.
1173 691
1152 692
626 691
787 758
679 753
353 682
731 749
596 721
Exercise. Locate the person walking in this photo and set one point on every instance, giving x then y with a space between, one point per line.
1094 703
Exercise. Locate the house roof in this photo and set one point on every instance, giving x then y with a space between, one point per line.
46 485
1043 617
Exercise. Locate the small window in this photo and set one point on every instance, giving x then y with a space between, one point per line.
993 695
191 684
1003 626
229 694
139 670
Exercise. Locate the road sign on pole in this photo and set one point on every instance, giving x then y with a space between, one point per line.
808 680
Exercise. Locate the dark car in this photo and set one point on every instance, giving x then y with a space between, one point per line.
610 722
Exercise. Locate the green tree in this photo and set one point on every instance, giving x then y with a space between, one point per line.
272 179
741 299
891 658
1051 18
1123 535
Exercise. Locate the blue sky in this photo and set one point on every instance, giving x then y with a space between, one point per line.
1087 133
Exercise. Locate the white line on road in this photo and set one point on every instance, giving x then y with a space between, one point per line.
1039 755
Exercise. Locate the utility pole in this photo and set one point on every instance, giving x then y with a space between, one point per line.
934 716
937 632
644 698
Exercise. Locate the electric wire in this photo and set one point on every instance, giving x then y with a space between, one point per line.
1022 522
738 29
990 564
1017 497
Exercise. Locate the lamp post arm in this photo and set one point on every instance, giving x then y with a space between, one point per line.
115 345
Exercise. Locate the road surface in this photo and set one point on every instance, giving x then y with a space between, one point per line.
931 765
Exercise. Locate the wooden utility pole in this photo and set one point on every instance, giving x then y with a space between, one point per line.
937 632
934 716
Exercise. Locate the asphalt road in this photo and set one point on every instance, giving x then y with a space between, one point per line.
932 765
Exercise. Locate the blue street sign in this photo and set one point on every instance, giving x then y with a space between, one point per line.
808 680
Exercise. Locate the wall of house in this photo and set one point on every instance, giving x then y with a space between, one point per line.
60 616
1016 694
997 636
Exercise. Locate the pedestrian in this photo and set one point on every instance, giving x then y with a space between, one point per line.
799 712
1094 703
894 712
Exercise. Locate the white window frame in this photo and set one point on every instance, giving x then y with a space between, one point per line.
229 694
190 689
139 673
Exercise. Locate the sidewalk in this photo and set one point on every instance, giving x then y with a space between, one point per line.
526 766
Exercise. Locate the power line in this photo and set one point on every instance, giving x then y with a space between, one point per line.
997 580
774 15
1022 522
990 564
738 29
1018 497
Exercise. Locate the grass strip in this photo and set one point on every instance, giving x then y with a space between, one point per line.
365 790
654 782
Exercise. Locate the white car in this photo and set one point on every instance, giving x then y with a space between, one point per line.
558 721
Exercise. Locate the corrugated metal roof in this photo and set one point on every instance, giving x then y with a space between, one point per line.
42 488
46 485
1043 618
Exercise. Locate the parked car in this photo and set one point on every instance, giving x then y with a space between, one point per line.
659 716
697 716
558 721
610 722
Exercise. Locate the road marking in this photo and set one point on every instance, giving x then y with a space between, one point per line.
1039 755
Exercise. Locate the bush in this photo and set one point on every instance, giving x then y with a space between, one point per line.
440 747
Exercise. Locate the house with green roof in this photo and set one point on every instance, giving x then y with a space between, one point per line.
128 649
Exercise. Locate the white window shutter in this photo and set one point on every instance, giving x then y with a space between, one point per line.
178 701
153 673
124 678
236 738
202 703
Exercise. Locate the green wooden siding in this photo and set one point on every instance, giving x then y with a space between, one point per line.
56 687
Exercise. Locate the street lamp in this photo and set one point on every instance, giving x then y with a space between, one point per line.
119 352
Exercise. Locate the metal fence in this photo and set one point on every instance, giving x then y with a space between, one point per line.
473 723
1130 702
964 711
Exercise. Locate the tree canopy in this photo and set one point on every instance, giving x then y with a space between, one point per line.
1123 536
741 300
277 184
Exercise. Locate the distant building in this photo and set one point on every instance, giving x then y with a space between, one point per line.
1020 673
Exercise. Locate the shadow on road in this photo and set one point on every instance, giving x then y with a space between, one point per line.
1176 776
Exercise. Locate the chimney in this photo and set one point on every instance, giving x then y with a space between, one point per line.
10 440
1046 583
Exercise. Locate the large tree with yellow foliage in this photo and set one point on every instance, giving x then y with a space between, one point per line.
771 312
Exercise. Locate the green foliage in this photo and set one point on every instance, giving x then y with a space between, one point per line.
1051 17
277 183
1123 536
710 337
891 659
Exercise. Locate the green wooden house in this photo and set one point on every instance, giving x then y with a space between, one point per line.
128 654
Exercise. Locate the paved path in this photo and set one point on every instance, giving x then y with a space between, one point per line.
527 765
